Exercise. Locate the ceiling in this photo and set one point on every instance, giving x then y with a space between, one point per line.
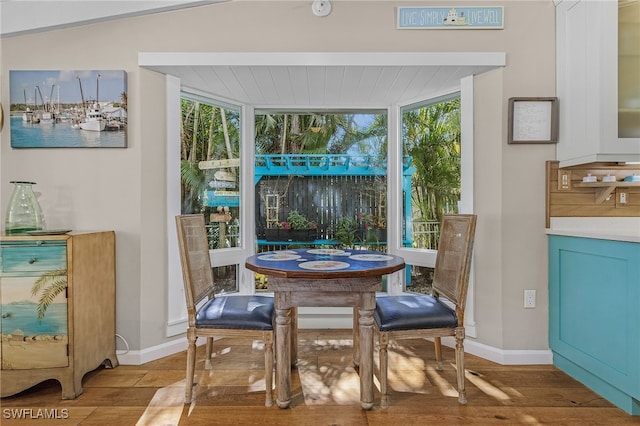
18 17
322 80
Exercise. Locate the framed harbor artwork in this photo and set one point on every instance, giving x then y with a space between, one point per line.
68 108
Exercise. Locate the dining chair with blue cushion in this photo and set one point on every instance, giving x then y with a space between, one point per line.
411 316
248 316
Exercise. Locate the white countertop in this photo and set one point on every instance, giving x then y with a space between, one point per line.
602 228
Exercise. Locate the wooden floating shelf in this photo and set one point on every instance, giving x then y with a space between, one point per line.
604 189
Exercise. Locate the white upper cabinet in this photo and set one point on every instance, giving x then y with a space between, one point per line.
599 111
629 69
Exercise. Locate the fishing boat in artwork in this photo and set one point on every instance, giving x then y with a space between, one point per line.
27 115
93 120
45 115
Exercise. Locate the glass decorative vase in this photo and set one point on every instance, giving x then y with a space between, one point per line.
23 212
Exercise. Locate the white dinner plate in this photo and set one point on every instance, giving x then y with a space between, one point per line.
334 252
324 265
371 257
279 256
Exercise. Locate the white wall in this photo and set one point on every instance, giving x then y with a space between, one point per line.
123 189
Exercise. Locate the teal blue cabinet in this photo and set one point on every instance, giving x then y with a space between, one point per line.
594 315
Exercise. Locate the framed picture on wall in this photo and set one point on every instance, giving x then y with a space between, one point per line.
533 120
68 108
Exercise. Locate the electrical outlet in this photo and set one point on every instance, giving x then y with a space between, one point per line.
623 198
564 180
529 298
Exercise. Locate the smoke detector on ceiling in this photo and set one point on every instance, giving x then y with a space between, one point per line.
321 7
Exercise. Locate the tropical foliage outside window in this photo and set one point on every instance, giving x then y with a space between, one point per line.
431 136
314 133
210 133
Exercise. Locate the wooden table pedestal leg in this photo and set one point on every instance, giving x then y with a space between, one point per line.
356 338
294 337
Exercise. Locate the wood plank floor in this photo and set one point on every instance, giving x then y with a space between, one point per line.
325 391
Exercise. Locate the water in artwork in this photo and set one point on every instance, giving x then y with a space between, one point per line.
61 134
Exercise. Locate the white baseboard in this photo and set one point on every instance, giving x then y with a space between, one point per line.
504 356
155 352
341 318
316 318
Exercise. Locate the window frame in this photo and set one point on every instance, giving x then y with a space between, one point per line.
426 257
176 308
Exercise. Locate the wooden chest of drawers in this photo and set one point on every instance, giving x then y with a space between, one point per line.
57 296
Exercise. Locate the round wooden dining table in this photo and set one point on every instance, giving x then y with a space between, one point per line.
324 277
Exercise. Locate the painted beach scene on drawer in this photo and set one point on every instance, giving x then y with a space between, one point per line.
33 285
68 108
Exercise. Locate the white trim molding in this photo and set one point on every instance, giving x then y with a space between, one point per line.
504 356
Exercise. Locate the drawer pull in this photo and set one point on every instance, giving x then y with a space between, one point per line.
32 260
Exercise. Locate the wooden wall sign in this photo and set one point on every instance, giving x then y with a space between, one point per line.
451 18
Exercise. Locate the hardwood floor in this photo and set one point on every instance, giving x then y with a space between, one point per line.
325 391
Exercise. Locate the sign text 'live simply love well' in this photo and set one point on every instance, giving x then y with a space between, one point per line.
490 17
